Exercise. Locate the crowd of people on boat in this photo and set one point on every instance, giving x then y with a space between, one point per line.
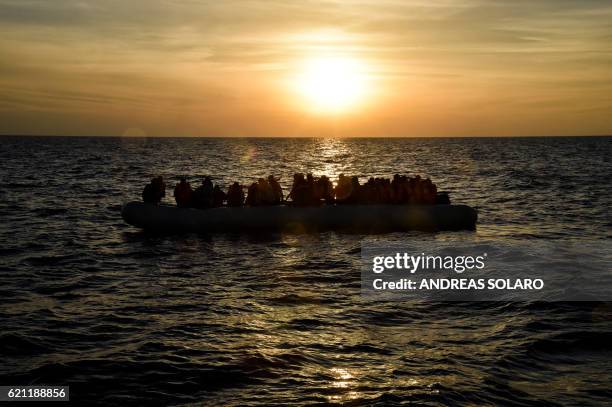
306 190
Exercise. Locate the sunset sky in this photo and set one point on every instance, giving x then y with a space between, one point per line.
306 68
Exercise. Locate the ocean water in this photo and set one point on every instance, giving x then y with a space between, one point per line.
127 318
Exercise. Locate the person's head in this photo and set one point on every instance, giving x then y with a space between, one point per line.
271 178
183 180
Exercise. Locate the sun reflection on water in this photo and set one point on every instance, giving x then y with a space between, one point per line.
343 381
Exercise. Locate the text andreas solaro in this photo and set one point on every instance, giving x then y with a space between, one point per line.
448 277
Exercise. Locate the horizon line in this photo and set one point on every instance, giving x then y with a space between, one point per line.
310 137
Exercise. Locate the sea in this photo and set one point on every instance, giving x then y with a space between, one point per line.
125 317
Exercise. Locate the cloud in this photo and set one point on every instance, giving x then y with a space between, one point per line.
73 56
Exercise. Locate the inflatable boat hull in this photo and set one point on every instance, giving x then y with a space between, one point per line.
355 218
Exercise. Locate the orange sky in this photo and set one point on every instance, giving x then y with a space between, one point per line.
229 68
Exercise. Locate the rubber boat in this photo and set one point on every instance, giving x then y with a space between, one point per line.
350 218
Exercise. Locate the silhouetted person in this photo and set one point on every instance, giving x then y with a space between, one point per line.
356 196
442 198
387 191
309 179
203 195
235 195
343 189
429 192
218 196
276 190
396 189
368 192
311 195
417 190
265 192
183 194
409 190
253 198
154 191
303 191
299 185
324 190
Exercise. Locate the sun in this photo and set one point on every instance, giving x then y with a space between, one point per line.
332 84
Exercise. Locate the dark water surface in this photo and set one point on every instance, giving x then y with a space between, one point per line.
128 318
